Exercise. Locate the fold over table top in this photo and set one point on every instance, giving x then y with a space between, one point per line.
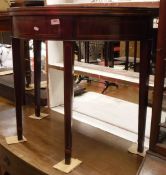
90 21
130 8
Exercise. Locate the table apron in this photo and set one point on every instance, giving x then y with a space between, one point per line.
82 28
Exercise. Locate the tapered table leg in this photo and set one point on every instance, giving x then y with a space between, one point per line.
17 68
37 75
145 47
68 97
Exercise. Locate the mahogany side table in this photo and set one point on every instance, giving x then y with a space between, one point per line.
68 23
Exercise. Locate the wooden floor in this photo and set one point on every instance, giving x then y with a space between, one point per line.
153 165
44 147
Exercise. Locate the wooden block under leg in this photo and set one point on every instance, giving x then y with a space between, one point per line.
42 115
14 139
61 166
43 85
133 149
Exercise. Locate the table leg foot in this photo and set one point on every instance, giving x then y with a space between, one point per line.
134 150
61 166
14 139
42 115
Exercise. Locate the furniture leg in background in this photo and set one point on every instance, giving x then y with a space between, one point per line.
86 51
127 55
109 62
86 45
109 54
106 53
27 63
37 80
79 51
135 55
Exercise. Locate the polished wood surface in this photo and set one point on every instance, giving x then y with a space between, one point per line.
107 22
44 147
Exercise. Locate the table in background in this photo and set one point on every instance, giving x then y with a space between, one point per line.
6 26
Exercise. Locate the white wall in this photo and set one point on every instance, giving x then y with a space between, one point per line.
56 80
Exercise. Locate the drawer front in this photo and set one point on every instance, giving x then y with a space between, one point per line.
41 27
117 28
